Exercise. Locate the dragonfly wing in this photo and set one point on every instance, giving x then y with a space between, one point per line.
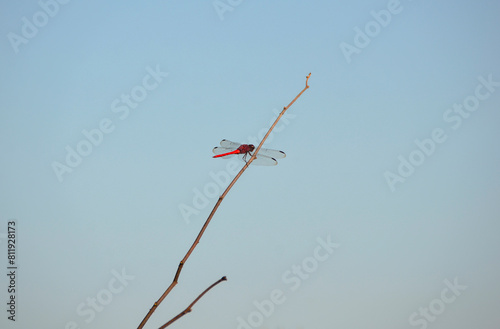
230 145
263 151
265 157
262 160
272 153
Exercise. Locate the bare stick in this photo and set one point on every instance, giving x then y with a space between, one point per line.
188 309
197 240
278 119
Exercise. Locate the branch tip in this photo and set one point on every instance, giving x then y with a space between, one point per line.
190 307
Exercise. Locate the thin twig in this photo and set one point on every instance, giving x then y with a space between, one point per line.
197 240
188 309
278 119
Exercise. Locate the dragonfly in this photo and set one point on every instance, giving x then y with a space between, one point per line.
265 157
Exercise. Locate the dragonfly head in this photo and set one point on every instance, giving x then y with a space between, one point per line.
251 147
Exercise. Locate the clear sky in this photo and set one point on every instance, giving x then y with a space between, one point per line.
384 214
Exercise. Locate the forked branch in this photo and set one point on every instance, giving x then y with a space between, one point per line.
197 240
188 309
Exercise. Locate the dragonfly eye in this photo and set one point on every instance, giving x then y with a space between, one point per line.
251 147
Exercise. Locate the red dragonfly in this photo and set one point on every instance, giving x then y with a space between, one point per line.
266 157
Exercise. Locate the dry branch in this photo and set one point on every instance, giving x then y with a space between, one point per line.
197 240
188 309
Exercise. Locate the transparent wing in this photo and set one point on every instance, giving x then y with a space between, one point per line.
272 153
265 157
263 151
260 160
228 144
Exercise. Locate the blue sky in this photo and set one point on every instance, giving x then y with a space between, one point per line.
156 85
